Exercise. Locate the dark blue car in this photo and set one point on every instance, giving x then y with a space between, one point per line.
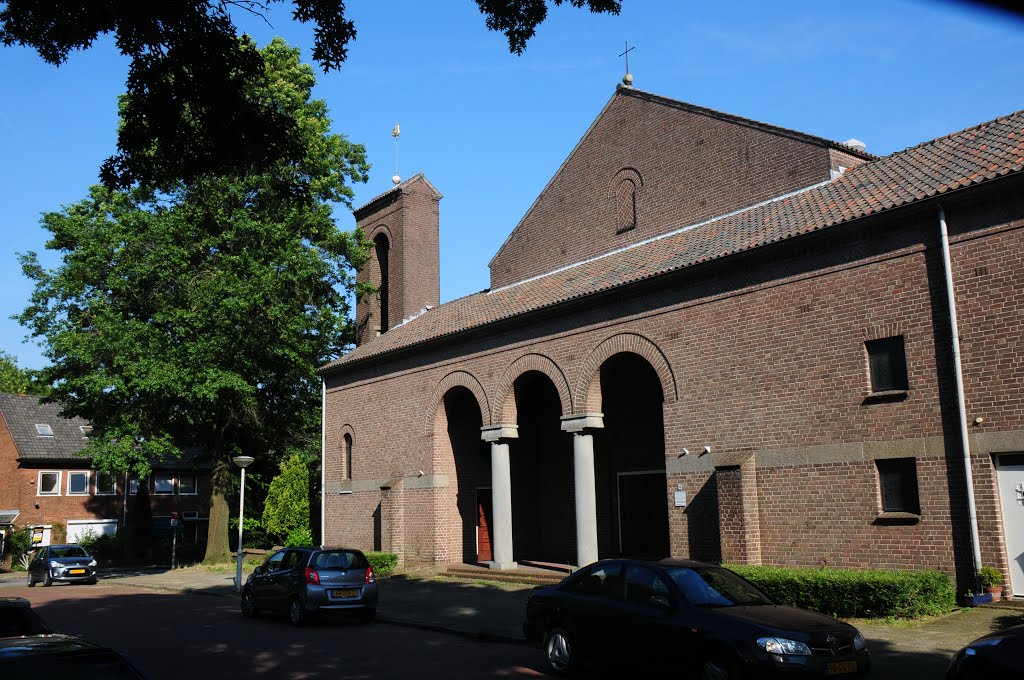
689 615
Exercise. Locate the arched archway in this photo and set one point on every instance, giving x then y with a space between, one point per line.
543 515
631 486
460 454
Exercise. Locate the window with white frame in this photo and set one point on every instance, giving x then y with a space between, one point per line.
86 430
49 483
187 485
78 482
43 430
106 484
163 483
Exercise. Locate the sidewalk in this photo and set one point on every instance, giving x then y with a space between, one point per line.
495 612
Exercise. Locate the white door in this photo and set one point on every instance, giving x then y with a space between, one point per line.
1011 492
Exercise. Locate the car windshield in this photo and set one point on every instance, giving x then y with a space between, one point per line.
341 559
68 551
715 587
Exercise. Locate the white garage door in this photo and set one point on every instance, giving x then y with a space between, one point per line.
99 527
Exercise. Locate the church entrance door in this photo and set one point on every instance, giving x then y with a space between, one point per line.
483 525
643 523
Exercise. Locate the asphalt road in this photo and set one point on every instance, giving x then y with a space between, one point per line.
175 636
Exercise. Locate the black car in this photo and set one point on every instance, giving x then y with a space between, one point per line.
996 655
690 615
30 649
309 581
65 563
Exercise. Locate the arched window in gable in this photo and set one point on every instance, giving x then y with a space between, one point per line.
348 455
625 200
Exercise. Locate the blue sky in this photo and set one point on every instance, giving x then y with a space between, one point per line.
489 128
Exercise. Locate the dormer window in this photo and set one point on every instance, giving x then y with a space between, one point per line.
44 430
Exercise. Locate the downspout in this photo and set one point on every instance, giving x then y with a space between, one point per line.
965 442
323 460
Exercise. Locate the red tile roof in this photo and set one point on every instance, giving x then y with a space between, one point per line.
973 156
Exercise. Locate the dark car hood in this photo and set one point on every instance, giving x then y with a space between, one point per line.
781 617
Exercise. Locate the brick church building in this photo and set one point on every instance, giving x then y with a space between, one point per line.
709 337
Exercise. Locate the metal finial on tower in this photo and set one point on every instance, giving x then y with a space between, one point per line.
394 133
627 79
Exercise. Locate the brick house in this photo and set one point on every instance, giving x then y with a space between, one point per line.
709 337
44 481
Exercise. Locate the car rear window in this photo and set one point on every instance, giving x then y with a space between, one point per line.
341 559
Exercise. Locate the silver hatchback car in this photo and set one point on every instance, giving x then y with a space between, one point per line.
67 563
308 581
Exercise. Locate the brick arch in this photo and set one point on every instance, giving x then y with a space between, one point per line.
588 388
378 229
452 380
504 395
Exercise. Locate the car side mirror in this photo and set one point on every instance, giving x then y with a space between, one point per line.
659 602
258 570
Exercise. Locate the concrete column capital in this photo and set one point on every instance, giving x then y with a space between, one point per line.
497 432
583 421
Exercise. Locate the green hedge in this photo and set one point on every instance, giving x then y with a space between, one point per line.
846 593
383 563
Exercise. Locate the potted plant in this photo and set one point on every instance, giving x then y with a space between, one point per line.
969 599
992 581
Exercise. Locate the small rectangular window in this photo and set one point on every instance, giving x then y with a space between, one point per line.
897 479
888 361
187 485
49 484
106 484
78 483
133 486
44 430
163 483
85 430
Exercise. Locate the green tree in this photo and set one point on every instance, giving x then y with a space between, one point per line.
194 107
287 506
17 380
198 316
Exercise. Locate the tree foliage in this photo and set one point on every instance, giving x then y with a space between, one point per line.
287 507
17 380
198 316
194 107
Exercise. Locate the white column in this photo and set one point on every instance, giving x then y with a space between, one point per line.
586 492
501 494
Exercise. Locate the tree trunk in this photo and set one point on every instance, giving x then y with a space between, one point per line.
217 551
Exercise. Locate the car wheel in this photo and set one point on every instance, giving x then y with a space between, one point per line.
718 668
368 615
559 652
296 612
249 608
47 580
31 581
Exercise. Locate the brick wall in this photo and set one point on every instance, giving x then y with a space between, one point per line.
689 166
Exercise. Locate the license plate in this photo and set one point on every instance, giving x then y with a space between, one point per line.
837 667
348 592
76 572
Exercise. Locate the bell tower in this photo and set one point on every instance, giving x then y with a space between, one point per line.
404 265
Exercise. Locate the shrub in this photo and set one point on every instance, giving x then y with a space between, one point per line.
19 541
298 536
990 577
58 533
383 563
847 593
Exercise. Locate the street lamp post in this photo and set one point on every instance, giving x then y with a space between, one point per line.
242 462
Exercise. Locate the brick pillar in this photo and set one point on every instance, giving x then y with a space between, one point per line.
392 518
736 477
